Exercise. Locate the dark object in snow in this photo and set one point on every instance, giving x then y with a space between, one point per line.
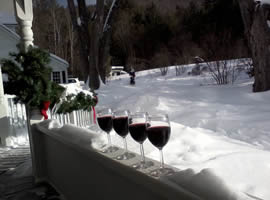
132 76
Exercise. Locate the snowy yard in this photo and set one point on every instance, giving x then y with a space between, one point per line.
224 129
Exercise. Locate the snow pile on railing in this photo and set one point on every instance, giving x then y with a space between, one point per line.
76 135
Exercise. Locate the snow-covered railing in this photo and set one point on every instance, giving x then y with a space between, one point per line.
67 158
16 112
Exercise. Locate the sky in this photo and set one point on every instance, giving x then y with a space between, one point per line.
64 2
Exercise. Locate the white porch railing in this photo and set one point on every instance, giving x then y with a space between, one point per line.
17 121
63 157
80 118
17 115
16 112
14 131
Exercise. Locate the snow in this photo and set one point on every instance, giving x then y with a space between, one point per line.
205 184
220 137
73 88
79 21
263 1
74 134
223 130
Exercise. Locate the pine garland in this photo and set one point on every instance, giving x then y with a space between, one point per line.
78 102
29 77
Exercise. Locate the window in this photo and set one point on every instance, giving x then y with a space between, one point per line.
56 77
64 76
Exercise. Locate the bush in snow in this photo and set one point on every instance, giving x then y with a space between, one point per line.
224 71
162 61
179 69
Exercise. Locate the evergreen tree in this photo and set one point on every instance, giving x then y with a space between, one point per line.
29 77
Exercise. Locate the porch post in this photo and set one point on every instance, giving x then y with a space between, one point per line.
24 16
4 123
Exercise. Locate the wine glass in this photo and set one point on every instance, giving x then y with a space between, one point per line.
120 125
137 130
104 118
158 132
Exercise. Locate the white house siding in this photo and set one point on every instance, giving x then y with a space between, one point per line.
59 65
7 15
8 42
7 6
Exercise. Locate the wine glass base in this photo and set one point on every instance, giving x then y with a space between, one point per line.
110 149
125 156
143 165
157 173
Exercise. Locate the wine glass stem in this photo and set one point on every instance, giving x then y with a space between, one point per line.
109 140
161 159
125 144
142 153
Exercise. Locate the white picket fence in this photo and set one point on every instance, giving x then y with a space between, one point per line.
17 115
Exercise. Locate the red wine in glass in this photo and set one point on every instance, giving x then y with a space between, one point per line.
137 129
120 125
105 123
104 118
159 135
138 132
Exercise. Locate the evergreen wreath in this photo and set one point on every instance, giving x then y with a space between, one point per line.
29 78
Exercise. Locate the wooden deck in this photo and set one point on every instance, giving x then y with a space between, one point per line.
16 179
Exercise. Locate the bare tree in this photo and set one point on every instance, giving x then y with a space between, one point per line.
179 67
69 48
162 61
122 35
94 33
255 15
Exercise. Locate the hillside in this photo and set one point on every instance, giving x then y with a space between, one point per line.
221 129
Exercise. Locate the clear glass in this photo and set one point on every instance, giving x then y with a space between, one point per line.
104 118
120 125
158 133
137 130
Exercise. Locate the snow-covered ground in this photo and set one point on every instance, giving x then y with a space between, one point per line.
224 129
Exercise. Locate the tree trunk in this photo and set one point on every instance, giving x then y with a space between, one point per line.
255 16
94 38
83 38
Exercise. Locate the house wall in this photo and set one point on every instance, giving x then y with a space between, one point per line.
8 42
7 6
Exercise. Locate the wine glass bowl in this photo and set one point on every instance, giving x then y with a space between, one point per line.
104 119
137 126
120 122
120 125
105 123
137 130
158 132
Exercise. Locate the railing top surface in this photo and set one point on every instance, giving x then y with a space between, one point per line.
122 167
